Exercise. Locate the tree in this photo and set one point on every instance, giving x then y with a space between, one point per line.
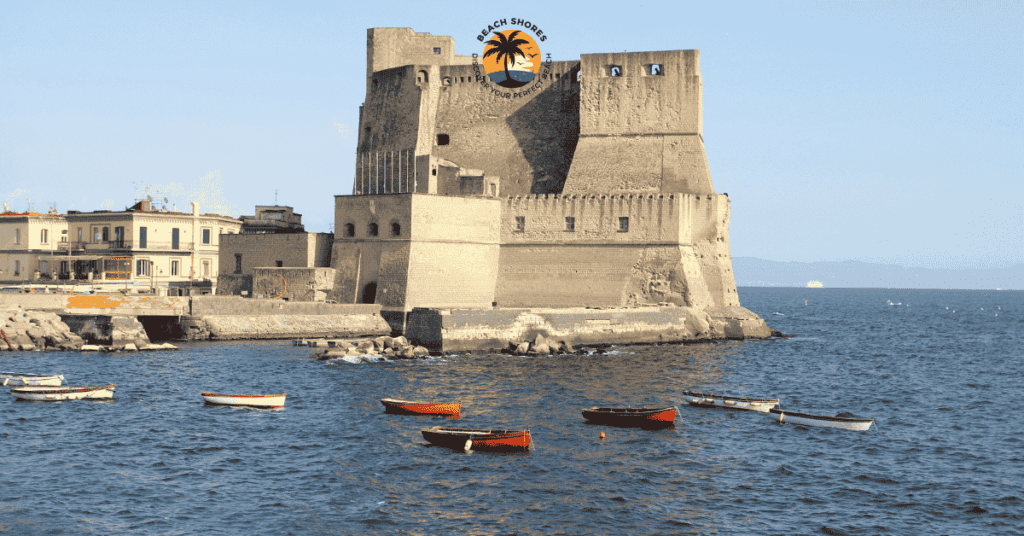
506 49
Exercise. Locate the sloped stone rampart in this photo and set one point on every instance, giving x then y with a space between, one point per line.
484 329
232 327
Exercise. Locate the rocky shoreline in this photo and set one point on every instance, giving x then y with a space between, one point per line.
32 330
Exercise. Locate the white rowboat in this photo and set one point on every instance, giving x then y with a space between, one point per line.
256 401
806 419
706 400
67 392
13 379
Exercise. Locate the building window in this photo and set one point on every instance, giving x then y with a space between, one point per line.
442 139
44 236
422 77
446 81
119 236
615 70
106 234
175 238
494 190
17 236
520 224
206 236
238 263
206 269
17 267
79 234
143 238
624 225
174 267
656 69
350 230
437 50
396 229
280 264
371 229
142 267
570 224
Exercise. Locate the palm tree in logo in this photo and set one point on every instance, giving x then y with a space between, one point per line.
507 49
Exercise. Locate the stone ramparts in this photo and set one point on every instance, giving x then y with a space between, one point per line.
448 330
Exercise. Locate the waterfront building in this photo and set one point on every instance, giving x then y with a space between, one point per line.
273 247
30 244
589 188
146 246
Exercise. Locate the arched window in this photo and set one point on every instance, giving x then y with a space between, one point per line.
370 292
350 230
372 230
422 77
396 229
615 70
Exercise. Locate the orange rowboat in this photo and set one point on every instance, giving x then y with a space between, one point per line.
638 417
406 407
478 439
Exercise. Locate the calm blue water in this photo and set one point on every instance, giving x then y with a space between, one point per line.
945 458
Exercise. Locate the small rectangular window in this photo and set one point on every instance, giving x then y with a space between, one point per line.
206 269
443 139
174 267
17 236
206 236
79 234
238 263
624 225
143 238
280 264
142 267
106 234
17 267
44 236
175 238
570 223
437 50
520 224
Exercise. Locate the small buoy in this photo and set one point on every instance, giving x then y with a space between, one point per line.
468 445
602 435
200 470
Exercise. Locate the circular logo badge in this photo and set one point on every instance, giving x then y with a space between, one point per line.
511 58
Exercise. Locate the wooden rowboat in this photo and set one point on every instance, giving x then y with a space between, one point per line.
637 417
12 379
478 439
405 407
706 400
806 419
50 393
256 401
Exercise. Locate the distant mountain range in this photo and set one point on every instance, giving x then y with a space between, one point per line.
754 272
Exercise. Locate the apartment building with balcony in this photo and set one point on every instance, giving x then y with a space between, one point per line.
146 246
30 246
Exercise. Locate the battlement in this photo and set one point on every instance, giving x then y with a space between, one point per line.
614 219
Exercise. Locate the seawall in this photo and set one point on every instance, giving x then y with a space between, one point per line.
446 330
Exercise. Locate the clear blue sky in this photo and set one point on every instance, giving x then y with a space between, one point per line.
876 131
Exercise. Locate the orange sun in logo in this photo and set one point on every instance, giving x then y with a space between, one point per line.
511 58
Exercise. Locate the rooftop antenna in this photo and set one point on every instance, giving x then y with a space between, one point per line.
275 197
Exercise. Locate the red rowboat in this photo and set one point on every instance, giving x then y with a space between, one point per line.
478 439
639 417
405 407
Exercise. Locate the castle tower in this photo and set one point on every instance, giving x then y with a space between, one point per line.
641 125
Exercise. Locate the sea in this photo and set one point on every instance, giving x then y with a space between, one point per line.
940 371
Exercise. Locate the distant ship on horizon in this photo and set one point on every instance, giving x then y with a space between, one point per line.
814 284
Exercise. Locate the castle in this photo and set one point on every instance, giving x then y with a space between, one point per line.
592 188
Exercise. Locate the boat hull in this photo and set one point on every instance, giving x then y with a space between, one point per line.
406 407
632 417
806 419
479 439
255 401
704 400
56 393
14 379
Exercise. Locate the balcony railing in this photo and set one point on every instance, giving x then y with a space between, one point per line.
129 245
